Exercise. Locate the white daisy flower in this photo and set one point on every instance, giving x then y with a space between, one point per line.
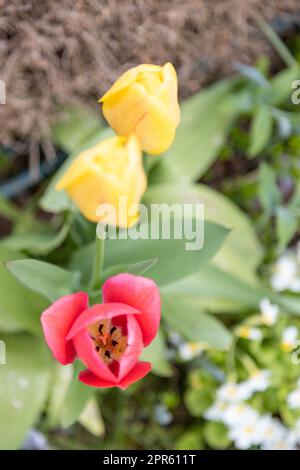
246 332
293 399
259 380
269 311
285 273
216 411
238 413
244 434
289 339
231 392
269 430
189 350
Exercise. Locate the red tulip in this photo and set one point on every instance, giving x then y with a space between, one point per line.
109 337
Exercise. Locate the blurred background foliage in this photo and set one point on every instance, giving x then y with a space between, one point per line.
237 151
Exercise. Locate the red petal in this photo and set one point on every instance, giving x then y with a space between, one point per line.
134 347
57 321
99 312
140 293
88 378
138 372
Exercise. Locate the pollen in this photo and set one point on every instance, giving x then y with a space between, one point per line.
109 341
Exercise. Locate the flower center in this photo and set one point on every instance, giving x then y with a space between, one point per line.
109 340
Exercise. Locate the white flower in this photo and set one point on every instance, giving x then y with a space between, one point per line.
238 413
187 351
293 399
269 430
246 332
269 312
289 338
216 411
285 273
231 392
259 380
244 434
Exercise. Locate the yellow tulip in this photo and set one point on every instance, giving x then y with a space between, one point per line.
144 102
106 174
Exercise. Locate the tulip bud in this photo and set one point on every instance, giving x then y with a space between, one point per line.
107 173
143 101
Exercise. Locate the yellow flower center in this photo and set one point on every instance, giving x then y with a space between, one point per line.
109 341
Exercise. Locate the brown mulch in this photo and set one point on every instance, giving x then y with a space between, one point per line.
59 51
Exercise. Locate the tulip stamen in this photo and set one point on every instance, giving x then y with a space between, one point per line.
109 341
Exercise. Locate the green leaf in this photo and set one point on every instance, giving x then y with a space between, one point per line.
20 308
261 130
156 354
47 279
91 419
186 316
37 243
241 243
58 201
286 226
190 440
206 119
218 291
198 400
268 191
174 261
59 386
76 398
24 386
281 85
216 435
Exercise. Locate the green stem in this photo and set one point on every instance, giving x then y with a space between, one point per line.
275 40
98 258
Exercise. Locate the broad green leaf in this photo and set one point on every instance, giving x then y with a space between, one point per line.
76 398
261 130
216 435
37 243
24 386
286 226
281 85
206 119
47 279
185 315
174 260
20 308
156 354
75 127
91 418
268 190
140 268
59 386
241 243
58 201
218 291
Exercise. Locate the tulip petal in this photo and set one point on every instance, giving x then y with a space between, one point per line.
100 312
88 378
134 347
57 321
140 293
88 355
140 370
